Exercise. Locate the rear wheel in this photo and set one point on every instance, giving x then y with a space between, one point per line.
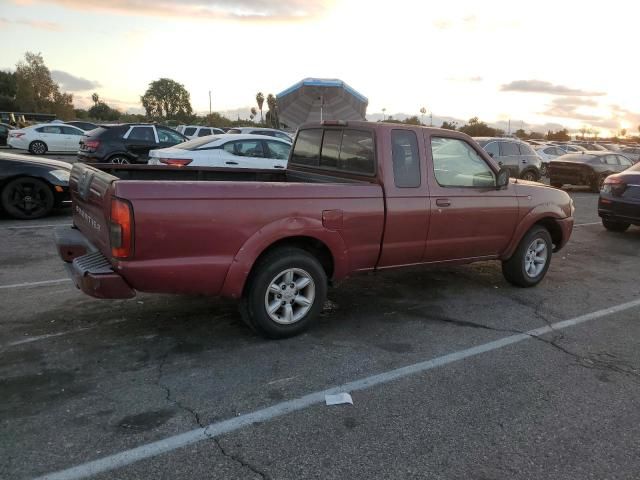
530 176
285 293
530 262
119 159
26 198
38 148
615 226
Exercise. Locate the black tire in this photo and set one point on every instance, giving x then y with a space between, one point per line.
27 198
530 176
514 269
120 159
614 226
38 148
597 182
255 298
544 170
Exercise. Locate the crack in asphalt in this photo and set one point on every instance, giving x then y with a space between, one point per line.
240 461
167 389
582 360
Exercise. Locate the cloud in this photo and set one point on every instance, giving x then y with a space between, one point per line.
202 9
567 107
465 79
540 86
38 24
72 83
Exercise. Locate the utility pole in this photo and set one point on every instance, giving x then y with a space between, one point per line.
209 102
431 119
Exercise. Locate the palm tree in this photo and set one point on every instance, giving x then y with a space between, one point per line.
423 110
273 111
96 98
260 101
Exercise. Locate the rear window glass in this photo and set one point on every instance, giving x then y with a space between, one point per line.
331 148
406 158
356 153
307 148
189 131
204 132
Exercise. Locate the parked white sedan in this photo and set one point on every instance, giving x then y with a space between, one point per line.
46 137
228 150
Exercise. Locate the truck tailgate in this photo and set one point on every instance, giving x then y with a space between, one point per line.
91 196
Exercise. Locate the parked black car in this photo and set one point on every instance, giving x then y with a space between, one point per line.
619 202
126 143
86 126
589 168
32 187
4 132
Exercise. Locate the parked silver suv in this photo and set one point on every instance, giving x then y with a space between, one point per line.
517 156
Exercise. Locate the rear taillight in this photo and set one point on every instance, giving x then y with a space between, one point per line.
91 144
121 228
614 185
16 134
176 162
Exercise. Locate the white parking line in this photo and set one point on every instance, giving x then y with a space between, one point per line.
586 224
169 444
35 284
21 227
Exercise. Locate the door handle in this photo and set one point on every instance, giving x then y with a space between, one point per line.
278 166
443 202
231 163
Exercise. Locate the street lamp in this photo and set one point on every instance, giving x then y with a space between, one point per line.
383 110
423 111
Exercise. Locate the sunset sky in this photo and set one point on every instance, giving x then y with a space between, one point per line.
546 64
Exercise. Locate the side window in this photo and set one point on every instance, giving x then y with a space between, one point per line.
492 149
283 136
457 164
268 133
278 150
189 131
71 131
306 151
204 132
168 136
406 158
509 148
142 134
50 129
245 148
611 160
525 149
624 161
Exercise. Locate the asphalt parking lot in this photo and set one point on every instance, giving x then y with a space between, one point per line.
444 383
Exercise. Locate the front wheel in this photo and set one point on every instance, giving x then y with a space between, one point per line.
530 176
614 226
530 262
285 293
27 198
38 147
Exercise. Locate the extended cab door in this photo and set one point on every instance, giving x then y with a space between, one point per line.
469 217
402 158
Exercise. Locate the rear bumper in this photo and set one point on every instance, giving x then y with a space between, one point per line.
614 209
577 178
88 268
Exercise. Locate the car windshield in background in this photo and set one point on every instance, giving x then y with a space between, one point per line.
195 143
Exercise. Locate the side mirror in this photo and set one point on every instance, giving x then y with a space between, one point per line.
491 154
503 178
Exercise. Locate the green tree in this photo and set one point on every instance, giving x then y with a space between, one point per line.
449 125
102 111
476 128
414 120
272 115
260 102
560 135
7 91
520 133
96 98
623 132
167 99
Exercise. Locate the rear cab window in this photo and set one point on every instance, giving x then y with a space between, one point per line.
189 131
344 150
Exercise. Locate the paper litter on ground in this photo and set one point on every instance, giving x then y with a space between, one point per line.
338 399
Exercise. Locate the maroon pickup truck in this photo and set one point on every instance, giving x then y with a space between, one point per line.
355 197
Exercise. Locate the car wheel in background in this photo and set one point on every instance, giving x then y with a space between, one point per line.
597 182
530 176
529 263
37 147
26 198
285 293
614 226
544 170
120 159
